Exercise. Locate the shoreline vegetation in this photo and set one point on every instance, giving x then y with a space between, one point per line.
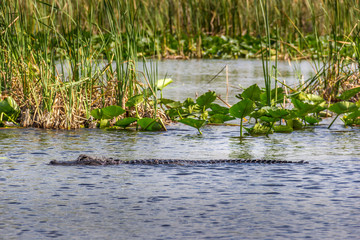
41 40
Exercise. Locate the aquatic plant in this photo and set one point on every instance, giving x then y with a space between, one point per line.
61 60
9 110
341 108
241 110
57 62
199 112
195 123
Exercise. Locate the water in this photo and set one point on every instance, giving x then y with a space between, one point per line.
197 76
319 200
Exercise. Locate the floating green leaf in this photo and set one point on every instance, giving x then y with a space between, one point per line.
343 107
312 120
161 83
195 123
259 113
268 119
278 113
303 108
170 103
125 122
346 95
242 108
107 112
295 124
135 100
259 129
276 95
253 93
217 109
112 111
206 99
96 113
283 129
310 97
149 124
220 118
104 123
9 110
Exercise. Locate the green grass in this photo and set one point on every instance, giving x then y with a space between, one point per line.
40 40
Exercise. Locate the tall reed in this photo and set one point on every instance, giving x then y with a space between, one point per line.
51 60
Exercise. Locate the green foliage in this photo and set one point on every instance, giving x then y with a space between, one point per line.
197 113
107 112
352 119
149 124
258 129
312 120
135 100
217 109
9 110
276 96
283 129
206 99
343 107
162 83
253 93
125 122
220 118
195 123
241 110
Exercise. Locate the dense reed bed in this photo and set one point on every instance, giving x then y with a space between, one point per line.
55 56
57 65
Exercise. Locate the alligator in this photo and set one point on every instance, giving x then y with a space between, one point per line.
84 159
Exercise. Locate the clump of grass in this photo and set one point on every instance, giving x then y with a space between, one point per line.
52 62
52 54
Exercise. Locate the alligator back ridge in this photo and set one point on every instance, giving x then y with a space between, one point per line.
90 160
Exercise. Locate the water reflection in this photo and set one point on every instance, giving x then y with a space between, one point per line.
193 76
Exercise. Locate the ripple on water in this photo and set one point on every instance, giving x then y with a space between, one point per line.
318 200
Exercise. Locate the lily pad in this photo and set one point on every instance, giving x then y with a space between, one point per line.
107 112
195 123
125 122
343 107
149 124
242 108
346 95
283 129
206 99
217 109
302 107
161 83
220 118
259 129
135 100
104 123
312 120
253 93
9 109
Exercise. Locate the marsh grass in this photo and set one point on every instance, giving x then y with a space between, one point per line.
51 60
41 40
